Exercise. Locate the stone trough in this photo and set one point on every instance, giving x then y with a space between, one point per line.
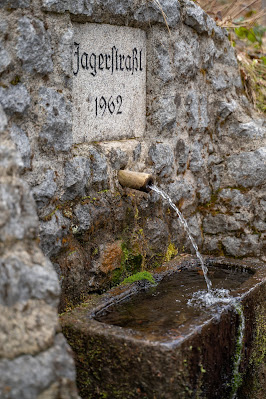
116 362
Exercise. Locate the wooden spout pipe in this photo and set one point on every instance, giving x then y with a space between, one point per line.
136 180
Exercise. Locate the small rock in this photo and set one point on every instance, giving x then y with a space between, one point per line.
195 16
3 120
15 99
251 130
15 3
162 157
10 159
137 152
196 161
164 69
77 175
57 130
165 116
46 190
118 158
220 224
225 109
52 232
181 155
151 12
220 82
65 49
186 57
248 169
5 58
156 233
100 180
83 214
34 47
22 143
247 246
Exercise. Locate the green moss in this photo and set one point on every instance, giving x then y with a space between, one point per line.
171 252
138 277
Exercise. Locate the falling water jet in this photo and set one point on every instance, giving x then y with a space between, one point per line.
185 225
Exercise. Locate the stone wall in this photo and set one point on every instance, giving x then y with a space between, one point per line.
203 142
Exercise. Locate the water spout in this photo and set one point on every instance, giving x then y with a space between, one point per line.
136 180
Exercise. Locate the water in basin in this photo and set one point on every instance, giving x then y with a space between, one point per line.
177 304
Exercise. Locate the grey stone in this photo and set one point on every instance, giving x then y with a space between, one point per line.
235 199
212 245
181 155
181 189
208 54
186 57
203 192
248 169
195 17
22 143
250 130
164 69
220 82
20 282
162 158
84 7
151 12
18 212
3 26
5 58
52 232
34 47
194 225
46 190
65 50
248 245
10 159
216 176
165 116
196 161
15 99
225 109
99 173
220 224
15 3
137 152
83 214
27 376
215 30
3 120
197 108
260 225
228 56
118 158
57 130
156 232
117 7
77 174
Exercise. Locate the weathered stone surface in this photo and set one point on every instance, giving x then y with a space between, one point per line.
34 47
77 175
3 26
15 99
26 327
15 3
52 232
246 246
195 16
22 143
65 49
46 190
235 199
181 189
156 231
19 219
137 152
186 57
220 82
220 224
151 12
248 169
196 161
56 133
21 282
27 376
226 109
162 158
248 131
83 214
118 158
197 109
5 58
203 191
100 179
181 155
3 119
164 69
165 115
75 7
10 160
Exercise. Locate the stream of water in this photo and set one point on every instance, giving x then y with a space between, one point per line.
185 225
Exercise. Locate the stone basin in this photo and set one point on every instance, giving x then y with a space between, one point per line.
195 361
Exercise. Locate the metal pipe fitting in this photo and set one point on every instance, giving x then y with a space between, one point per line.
136 180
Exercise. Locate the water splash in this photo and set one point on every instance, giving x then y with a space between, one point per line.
185 225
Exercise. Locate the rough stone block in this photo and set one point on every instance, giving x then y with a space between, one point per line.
162 157
5 58
167 11
52 232
46 190
15 99
56 133
34 47
77 177
220 224
15 3
248 169
3 120
22 143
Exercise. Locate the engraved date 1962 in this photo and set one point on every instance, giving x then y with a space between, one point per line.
109 105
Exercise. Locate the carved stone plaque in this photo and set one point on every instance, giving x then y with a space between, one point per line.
109 82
